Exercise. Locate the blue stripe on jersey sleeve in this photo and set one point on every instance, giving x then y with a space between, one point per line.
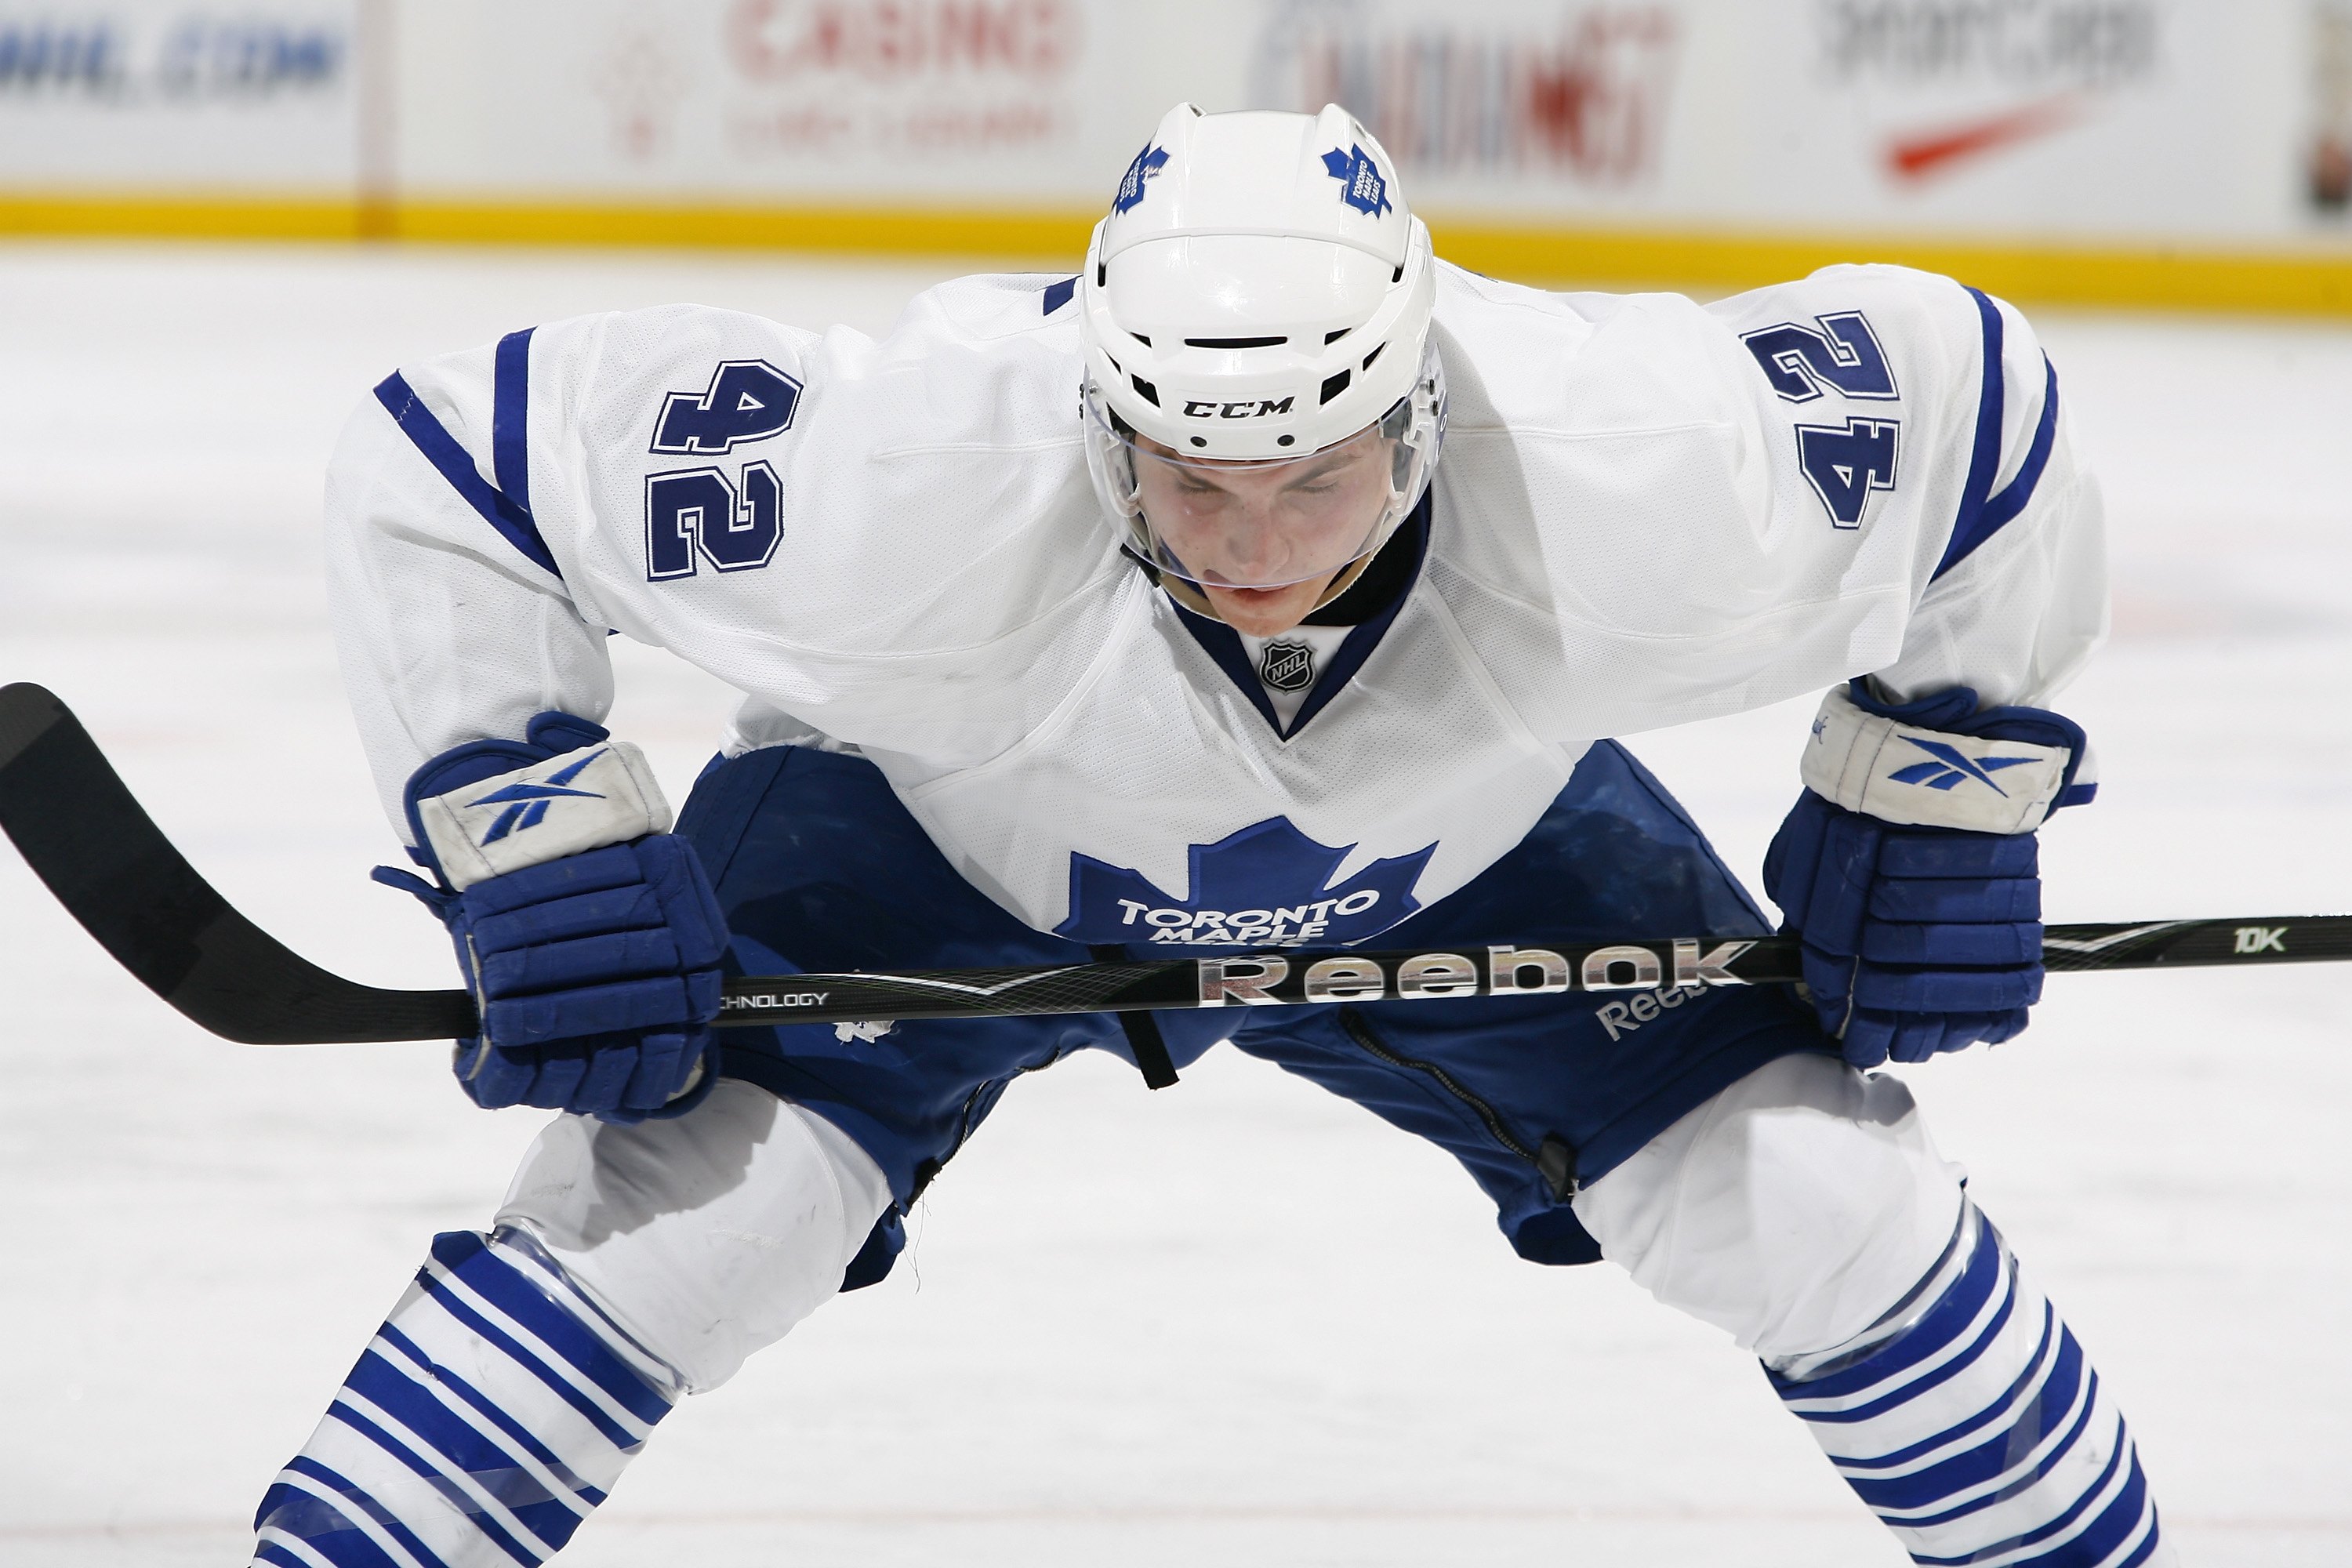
1983 514
1058 294
457 466
510 420
2001 508
1984 459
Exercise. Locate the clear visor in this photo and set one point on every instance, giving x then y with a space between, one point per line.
1269 523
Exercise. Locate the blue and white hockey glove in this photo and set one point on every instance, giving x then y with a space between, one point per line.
1909 868
587 931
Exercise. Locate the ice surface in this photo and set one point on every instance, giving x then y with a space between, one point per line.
1238 1320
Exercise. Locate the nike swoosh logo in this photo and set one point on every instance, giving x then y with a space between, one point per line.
1919 156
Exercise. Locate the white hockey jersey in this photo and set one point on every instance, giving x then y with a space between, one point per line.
1646 512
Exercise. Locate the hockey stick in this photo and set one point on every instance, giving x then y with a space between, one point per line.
85 836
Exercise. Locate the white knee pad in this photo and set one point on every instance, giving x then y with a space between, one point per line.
706 1236
1794 1209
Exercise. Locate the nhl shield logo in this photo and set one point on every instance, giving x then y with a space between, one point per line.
1288 666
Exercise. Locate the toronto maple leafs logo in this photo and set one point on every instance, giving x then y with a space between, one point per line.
1288 666
1268 884
1148 163
1360 184
527 799
1951 768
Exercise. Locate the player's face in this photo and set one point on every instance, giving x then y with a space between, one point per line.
1262 540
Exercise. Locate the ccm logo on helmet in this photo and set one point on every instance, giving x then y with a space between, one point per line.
1246 409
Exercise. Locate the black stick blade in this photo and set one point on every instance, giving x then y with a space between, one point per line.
83 834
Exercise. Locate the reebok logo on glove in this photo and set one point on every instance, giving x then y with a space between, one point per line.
526 804
579 801
1872 764
1949 769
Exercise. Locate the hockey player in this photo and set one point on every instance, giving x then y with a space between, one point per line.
1137 613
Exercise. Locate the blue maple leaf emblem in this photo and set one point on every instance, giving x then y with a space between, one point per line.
1952 768
526 804
1148 163
1360 183
1268 884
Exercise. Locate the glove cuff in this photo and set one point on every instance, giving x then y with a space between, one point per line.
1904 773
543 811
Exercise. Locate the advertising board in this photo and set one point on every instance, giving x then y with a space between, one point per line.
2101 146
150 94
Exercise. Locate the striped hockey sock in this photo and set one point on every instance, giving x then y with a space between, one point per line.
489 1415
1980 1433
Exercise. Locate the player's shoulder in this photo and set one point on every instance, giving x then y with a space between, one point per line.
1014 309
1530 361
653 339
677 377
856 497
1867 331
1912 300
984 361
979 307
976 360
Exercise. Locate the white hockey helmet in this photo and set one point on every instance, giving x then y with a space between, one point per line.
1256 306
